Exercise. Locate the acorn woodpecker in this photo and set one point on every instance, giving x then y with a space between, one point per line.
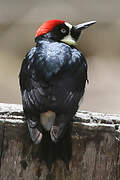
52 79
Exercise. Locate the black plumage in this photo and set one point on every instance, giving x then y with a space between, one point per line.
52 79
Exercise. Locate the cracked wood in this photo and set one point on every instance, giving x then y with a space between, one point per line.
96 148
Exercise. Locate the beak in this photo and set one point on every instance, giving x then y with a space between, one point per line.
85 25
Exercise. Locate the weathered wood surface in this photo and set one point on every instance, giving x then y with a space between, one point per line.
96 148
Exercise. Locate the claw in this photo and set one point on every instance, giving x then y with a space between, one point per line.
35 133
55 133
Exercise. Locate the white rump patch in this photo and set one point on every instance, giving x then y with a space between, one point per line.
47 119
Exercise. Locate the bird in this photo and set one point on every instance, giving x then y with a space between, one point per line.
52 79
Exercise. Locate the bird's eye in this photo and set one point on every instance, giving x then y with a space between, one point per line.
63 30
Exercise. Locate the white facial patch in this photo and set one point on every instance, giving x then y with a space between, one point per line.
68 39
47 119
68 25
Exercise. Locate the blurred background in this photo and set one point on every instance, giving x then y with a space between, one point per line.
100 44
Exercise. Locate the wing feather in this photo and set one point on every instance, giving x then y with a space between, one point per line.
33 90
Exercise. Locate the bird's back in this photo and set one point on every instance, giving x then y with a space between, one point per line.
53 79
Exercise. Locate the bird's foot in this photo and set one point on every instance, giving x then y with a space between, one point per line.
55 133
35 133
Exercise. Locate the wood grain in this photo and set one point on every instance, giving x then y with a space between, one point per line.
95 144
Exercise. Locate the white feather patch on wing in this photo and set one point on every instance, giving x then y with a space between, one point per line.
47 119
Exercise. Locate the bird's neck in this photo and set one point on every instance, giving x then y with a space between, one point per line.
45 37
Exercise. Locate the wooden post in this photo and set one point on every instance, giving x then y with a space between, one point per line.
96 148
